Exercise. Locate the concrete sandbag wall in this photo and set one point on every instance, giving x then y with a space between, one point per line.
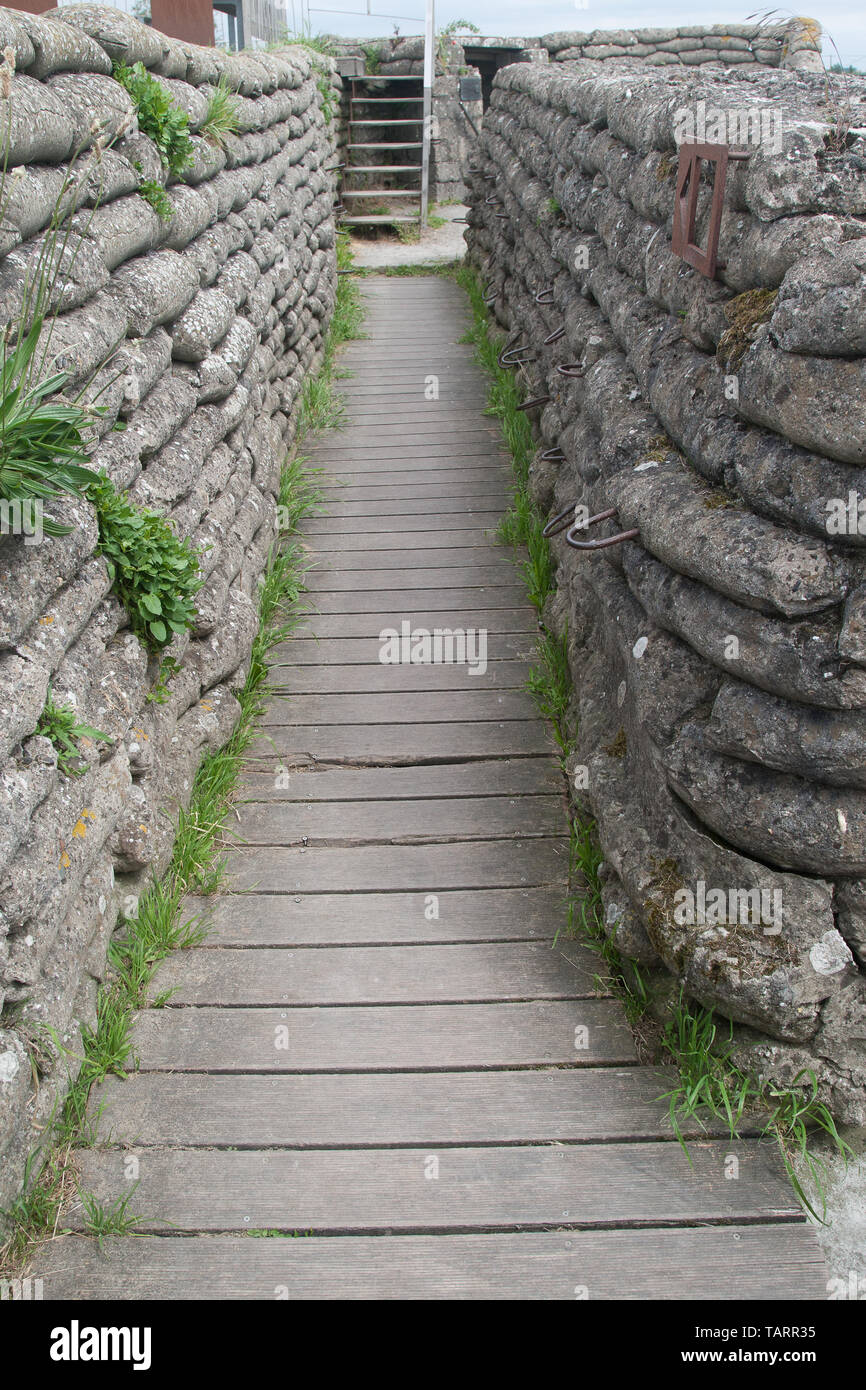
197 329
719 661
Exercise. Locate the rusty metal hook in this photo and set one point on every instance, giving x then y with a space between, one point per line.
570 369
545 296
565 519
606 541
514 356
554 337
603 544
537 400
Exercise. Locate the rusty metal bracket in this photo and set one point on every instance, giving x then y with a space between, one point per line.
693 155
602 544
565 520
515 356
606 541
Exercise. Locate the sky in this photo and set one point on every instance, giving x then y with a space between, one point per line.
840 20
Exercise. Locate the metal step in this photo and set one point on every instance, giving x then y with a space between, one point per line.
377 221
390 77
384 145
380 169
381 192
399 101
367 120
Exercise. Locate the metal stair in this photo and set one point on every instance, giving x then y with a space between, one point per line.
369 132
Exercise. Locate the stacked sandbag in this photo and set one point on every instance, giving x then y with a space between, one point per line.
719 659
196 329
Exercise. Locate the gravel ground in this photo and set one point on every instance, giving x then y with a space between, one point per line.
436 245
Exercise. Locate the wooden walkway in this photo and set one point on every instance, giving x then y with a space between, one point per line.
377 1050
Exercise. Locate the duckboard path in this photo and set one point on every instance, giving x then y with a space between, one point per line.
378 1063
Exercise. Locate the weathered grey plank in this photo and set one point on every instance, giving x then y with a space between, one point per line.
489 620
481 552
508 596
417 520
405 483
321 919
500 675
438 707
512 777
524 864
426 540
395 822
384 743
378 974
418 1040
390 1189
492 578
747 1262
440 505
375 487
252 1110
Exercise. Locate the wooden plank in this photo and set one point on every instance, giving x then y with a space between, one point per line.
421 868
418 1040
457 482
395 822
374 526
340 509
500 675
506 596
496 914
404 545
492 578
439 707
523 1187
382 743
378 974
423 558
249 1110
509 777
343 651
492 621
777 1261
